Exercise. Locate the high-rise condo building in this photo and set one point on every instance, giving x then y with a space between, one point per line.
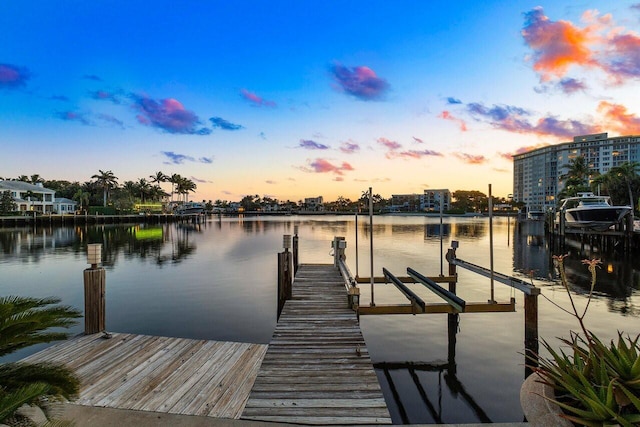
537 174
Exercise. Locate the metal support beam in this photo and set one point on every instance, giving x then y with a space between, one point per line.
415 299
451 298
514 282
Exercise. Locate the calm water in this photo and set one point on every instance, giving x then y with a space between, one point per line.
218 281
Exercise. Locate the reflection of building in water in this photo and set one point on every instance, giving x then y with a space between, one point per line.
432 231
34 240
530 251
429 201
469 230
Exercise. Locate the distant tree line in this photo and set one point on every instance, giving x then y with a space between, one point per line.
104 190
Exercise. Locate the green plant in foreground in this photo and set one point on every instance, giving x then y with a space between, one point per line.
23 322
595 384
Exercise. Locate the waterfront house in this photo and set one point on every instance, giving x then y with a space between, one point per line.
62 205
30 197
314 204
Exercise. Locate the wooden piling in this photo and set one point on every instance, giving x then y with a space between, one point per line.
94 300
284 279
531 331
295 253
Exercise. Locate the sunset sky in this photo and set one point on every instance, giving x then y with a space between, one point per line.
294 99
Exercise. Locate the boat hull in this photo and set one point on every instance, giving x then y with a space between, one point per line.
595 218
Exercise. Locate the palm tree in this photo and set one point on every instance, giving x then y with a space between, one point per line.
627 172
184 186
106 180
143 187
82 197
174 179
158 178
25 321
577 178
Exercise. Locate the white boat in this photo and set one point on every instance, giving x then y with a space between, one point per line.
189 208
589 211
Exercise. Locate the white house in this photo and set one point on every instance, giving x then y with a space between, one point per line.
30 197
314 203
62 205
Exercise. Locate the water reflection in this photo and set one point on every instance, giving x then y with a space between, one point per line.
423 384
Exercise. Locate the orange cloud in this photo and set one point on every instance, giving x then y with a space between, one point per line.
557 45
617 118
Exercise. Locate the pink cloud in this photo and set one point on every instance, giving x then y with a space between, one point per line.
360 82
390 145
471 159
418 140
349 147
167 114
255 99
324 166
446 115
13 76
418 154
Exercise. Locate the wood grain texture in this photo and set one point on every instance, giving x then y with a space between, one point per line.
317 369
161 374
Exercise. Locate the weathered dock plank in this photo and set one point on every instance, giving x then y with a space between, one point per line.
317 369
161 374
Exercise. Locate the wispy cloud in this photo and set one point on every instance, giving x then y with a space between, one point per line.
516 119
201 181
360 82
92 77
13 76
62 98
349 147
255 99
418 140
570 85
388 144
73 116
598 44
168 115
220 123
325 166
111 120
417 154
263 136
175 158
104 95
446 115
178 159
453 101
471 159
270 182
312 145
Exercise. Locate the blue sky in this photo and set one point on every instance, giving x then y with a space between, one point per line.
297 99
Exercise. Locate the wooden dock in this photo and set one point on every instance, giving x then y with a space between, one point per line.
170 375
317 369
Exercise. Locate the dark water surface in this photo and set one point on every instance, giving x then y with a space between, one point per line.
217 280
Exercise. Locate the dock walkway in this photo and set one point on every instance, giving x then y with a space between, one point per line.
160 374
317 369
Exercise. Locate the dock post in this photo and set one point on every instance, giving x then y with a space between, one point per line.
94 291
295 249
284 274
531 331
339 244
